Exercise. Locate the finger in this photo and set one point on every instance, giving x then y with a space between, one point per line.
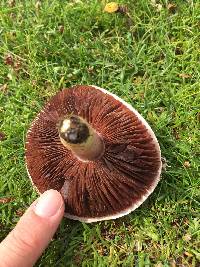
26 242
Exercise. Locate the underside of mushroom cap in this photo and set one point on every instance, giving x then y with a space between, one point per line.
110 186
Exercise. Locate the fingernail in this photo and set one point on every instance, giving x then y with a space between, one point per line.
48 204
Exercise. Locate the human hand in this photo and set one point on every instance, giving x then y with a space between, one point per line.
26 242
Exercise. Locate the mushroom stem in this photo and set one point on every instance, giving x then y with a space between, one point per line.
78 136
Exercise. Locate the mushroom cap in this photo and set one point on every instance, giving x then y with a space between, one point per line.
101 189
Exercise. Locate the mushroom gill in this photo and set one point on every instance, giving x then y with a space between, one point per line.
119 179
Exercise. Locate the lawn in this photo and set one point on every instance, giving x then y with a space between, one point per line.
151 59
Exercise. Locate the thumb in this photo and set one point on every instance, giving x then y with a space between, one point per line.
26 242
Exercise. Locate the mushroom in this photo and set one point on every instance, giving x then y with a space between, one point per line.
95 149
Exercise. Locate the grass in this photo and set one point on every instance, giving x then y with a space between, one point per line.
154 65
